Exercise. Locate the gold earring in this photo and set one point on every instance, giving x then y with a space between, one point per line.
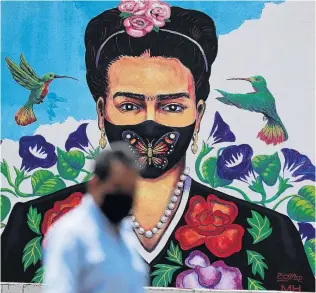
102 141
194 146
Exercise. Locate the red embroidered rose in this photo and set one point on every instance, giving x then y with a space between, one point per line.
60 208
211 222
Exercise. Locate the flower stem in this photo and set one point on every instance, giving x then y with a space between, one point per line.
74 180
274 197
283 199
85 171
91 146
244 195
283 186
8 190
21 194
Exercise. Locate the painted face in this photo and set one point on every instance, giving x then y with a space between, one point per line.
150 88
151 100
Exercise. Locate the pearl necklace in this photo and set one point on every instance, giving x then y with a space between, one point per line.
174 198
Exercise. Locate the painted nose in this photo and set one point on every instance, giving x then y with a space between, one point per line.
151 112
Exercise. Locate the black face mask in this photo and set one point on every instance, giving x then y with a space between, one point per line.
116 206
158 147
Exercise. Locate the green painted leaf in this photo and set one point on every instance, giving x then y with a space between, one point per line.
301 207
93 153
125 15
45 182
256 260
20 176
174 254
70 164
268 167
34 220
255 285
2 226
167 20
5 204
39 276
309 247
260 227
209 171
4 168
32 252
156 29
163 274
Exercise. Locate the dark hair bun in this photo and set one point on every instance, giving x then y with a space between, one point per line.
194 24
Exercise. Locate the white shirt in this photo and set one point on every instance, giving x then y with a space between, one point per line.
84 255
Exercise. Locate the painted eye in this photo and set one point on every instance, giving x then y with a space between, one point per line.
174 108
128 107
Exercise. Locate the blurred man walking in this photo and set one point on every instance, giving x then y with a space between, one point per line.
91 248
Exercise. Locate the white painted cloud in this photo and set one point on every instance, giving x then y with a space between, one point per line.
279 46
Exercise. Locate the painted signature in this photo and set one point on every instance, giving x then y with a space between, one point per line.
286 277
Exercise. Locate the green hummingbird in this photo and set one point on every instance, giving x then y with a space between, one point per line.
27 78
260 101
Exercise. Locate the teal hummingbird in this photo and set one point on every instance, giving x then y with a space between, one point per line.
260 101
27 78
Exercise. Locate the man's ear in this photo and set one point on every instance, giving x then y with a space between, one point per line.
100 105
201 106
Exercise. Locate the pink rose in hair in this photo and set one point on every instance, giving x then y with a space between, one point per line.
138 26
158 12
136 7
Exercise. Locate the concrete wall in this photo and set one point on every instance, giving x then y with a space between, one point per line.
37 288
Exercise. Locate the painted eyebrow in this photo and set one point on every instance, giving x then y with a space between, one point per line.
139 97
172 96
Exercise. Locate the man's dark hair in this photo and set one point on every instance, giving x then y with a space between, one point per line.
194 24
118 153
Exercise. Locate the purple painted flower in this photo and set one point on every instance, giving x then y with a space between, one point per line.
220 131
203 274
306 230
78 139
298 167
36 152
234 162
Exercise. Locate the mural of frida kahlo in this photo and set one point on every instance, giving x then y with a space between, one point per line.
148 67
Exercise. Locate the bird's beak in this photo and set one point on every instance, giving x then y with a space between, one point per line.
64 76
239 78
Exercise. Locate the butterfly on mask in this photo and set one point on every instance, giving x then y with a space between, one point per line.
151 153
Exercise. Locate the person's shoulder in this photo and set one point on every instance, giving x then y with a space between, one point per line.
244 207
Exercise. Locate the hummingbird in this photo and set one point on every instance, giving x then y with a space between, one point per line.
27 78
260 101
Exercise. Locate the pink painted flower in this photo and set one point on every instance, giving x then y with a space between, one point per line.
158 12
138 26
136 7
203 274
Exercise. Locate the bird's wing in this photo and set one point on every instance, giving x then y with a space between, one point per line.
28 69
35 96
241 101
21 77
254 102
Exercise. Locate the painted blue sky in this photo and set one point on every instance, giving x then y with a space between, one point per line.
50 34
